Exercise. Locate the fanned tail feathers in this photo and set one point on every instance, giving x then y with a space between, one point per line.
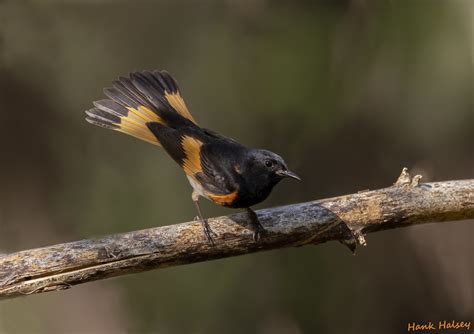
143 98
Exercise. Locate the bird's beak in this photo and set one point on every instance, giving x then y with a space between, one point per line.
287 173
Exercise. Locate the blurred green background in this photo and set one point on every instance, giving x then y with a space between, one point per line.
349 92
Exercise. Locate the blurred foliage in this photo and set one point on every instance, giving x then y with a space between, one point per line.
349 92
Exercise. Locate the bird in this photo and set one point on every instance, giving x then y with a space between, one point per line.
148 105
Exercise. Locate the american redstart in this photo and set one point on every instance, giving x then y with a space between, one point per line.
148 105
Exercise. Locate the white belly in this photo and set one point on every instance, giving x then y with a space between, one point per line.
198 189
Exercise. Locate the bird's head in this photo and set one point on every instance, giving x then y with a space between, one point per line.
270 165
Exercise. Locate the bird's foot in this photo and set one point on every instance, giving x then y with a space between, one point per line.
258 230
206 229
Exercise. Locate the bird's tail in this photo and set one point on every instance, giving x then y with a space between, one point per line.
136 102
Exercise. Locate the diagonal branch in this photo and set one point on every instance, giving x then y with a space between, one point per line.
341 218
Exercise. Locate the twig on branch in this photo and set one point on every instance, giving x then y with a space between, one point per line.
345 218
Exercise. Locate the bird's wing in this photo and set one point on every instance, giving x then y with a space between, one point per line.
218 182
219 165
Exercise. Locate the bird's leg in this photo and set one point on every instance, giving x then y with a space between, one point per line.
258 229
205 226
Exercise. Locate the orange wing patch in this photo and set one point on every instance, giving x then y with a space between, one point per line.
179 105
192 151
226 199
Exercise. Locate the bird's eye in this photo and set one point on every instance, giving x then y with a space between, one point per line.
268 163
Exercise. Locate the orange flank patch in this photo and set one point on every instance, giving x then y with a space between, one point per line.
177 102
192 151
223 199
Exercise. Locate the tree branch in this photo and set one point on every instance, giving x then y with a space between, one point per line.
344 218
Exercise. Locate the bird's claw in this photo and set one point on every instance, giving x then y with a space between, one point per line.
208 233
259 231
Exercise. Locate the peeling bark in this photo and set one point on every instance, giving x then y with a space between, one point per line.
345 218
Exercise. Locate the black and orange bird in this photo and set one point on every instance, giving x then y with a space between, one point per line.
148 105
